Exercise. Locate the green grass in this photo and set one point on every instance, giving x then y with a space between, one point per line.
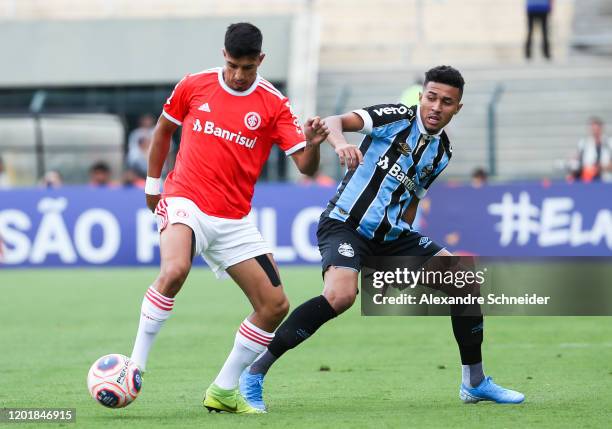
384 371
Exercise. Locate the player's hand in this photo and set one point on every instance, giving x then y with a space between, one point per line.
315 130
349 155
152 201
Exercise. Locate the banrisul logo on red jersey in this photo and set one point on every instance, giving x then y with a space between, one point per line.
210 128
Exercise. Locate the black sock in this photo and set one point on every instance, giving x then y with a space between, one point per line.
263 363
301 324
468 332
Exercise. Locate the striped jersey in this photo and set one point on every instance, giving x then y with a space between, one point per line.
400 162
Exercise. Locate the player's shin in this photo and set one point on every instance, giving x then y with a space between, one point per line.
156 308
249 343
468 331
301 324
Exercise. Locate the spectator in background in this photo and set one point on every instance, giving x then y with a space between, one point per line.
410 96
594 158
479 177
137 160
100 174
130 179
146 124
51 180
4 183
319 178
538 10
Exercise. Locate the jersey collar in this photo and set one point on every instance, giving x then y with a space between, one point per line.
421 126
252 88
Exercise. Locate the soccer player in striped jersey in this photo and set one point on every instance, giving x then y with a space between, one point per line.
404 150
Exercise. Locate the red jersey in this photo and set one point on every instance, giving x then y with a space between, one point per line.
226 139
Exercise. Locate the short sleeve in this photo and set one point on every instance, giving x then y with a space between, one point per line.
177 105
288 133
385 114
367 121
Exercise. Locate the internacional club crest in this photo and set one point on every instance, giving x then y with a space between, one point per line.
252 120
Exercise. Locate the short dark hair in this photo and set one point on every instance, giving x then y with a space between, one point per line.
596 120
479 173
100 166
447 75
243 40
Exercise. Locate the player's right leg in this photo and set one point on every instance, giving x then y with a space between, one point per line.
176 250
341 249
338 296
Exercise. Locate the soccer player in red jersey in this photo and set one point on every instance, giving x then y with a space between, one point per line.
230 119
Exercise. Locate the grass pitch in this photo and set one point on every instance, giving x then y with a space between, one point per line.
382 372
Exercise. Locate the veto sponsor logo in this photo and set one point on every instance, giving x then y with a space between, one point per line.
210 129
392 110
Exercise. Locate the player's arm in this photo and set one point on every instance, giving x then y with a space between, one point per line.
307 159
160 145
411 211
349 154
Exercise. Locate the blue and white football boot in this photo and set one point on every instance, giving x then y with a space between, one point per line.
251 387
487 390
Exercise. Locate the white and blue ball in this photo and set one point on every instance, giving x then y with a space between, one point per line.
114 381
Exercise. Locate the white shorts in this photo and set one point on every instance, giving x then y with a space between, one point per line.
221 242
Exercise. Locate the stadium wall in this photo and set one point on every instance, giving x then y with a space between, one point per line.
126 51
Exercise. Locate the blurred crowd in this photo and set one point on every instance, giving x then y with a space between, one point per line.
100 173
591 162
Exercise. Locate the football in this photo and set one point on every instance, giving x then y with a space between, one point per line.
114 381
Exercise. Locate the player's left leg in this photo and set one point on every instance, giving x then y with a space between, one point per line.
467 321
468 329
258 278
239 249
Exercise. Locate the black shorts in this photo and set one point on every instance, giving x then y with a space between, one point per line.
342 246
